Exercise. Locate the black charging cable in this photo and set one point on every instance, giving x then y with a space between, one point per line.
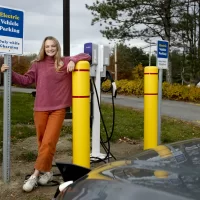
108 138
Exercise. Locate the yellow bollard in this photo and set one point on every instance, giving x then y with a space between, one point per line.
81 114
150 107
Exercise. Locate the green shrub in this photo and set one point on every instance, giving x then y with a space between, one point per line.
181 92
170 91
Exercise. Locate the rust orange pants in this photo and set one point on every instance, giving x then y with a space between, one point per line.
48 126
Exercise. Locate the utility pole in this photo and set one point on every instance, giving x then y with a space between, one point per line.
150 44
150 54
66 40
66 27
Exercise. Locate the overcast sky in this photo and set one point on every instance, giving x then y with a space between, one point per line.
45 17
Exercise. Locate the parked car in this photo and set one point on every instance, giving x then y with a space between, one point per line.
167 172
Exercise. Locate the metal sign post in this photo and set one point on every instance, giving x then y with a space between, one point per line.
162 63
7 120
11 43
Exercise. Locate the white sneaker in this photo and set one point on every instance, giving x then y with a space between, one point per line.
45 178
30 184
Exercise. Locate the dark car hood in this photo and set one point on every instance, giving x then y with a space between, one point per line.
114 190
165 172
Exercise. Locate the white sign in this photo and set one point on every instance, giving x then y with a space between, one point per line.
162 63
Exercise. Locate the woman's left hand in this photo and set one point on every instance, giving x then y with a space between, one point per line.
70 66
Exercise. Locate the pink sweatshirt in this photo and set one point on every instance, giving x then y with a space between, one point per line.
53 89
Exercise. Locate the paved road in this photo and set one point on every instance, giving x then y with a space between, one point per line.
16 89
176 109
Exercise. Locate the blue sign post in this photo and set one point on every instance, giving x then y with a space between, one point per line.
11 43
162 63
11 31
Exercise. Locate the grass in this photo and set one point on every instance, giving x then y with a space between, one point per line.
128 123
28 156
22 123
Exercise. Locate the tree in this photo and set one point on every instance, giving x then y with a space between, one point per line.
125 20
127 59
188 38
177 65
138 72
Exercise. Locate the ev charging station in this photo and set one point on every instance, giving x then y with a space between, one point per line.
100 59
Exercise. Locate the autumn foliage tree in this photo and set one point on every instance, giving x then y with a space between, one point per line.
20 64
127 59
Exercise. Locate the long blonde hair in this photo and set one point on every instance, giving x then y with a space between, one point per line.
57 58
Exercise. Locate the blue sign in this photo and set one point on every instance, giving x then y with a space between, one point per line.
162 54
162 49
11 31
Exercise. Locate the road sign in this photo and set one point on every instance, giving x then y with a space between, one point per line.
11 31
11 43
162 54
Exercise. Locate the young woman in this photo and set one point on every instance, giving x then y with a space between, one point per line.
51 75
